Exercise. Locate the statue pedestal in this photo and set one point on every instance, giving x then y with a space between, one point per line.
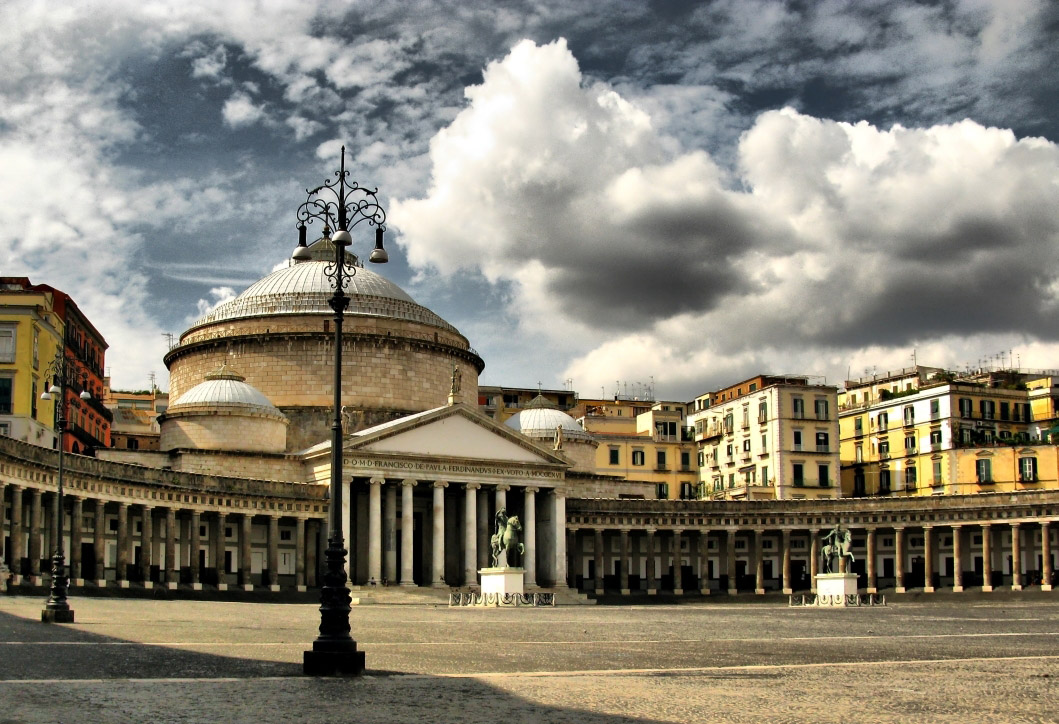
502 580
833 588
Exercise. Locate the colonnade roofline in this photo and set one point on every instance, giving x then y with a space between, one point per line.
977 509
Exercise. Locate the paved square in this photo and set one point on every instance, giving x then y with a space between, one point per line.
952 659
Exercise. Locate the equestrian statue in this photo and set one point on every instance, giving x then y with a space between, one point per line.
506 538
837 547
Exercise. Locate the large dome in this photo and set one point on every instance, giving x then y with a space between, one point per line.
224 390
304 288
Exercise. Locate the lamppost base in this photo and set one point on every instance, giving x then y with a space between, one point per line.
57 615
333 659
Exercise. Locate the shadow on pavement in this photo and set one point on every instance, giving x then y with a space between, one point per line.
51 673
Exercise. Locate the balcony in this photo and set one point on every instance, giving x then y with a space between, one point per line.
911 451
982 480
799 482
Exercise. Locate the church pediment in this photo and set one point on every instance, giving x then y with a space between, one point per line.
453 432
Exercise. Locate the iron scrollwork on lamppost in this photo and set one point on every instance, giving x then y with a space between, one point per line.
340 204
61 371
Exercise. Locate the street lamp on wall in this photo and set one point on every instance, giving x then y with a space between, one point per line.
339 204
62 371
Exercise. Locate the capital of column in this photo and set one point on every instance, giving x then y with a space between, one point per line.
677 531
650 531
440 484
502 487
531 489
376 480
472 486
956 526
1015 525
409 482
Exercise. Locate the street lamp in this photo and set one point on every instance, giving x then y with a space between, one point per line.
61 370
339 204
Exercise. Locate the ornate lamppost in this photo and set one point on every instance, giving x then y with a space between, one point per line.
340 204
61 371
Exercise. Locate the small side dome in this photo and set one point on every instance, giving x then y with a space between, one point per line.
224 413
539 418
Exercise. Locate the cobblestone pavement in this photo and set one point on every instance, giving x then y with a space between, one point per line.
196 661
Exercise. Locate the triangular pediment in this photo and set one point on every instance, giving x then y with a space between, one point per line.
452 432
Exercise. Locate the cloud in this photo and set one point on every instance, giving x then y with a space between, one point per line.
240 111
210 65
219 295
829 237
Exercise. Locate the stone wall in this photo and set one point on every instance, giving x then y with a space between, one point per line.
224 431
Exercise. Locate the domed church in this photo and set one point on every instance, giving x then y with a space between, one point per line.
398 357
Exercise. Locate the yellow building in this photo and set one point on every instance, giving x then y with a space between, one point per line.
644 441
930 435
767 437
31 333
501 403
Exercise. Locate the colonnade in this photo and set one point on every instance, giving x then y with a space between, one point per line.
732 559
456 522
119 543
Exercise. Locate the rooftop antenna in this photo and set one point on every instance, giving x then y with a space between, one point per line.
169 338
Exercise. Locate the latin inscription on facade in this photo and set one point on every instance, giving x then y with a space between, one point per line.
451 468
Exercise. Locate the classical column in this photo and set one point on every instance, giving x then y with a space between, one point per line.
987 558
273 552
172 569
193 550
484 529
500 497
928 559
124 544
704 562
34 535
624 577
576 564
15 531
1046 556
899 562
312 529
407 539
77 512
786 543
733 583
470 534
559 515
529 530
1016 557
218 552
678 574
437 569
597 552
759 562
814 558
389 534
99 543
873 584
375 530
147 545
246 529
299 554
3 551
649 561
957 558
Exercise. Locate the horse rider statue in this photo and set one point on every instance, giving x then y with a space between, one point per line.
837 547
506 538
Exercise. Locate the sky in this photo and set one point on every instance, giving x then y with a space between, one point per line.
608 196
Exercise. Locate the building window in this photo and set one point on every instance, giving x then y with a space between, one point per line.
822 442
637 457
798 408
935 409
988 408
686 491
731 480
858 425
662 490
858 482
884 482
984 468
660 459
884 448
910 478
1005 410
132 443
730 449
764 442
763 412
859 454
798 440
910 443
884 420
746 416
36 348
746 446
824 475
685 460
821 410
285 535
937 472
935 439
799 474
702 458
765 475
7 344
6 392
1028 470
615 454
965 407
910 415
